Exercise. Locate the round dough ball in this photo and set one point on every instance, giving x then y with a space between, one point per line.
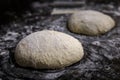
90 22
48 50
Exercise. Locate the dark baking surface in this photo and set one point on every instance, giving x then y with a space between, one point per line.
102 53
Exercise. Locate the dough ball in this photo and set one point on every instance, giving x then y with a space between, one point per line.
48 50
90 22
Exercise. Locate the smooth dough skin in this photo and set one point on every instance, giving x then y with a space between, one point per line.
48 50
90 22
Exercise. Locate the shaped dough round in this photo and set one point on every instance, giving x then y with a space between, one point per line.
48 50
90 22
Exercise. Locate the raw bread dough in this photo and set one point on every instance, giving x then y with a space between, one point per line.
48 50
90 22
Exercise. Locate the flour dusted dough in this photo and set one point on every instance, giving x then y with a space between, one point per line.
48 50
90 22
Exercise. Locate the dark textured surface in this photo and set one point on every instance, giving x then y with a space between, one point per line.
102 53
